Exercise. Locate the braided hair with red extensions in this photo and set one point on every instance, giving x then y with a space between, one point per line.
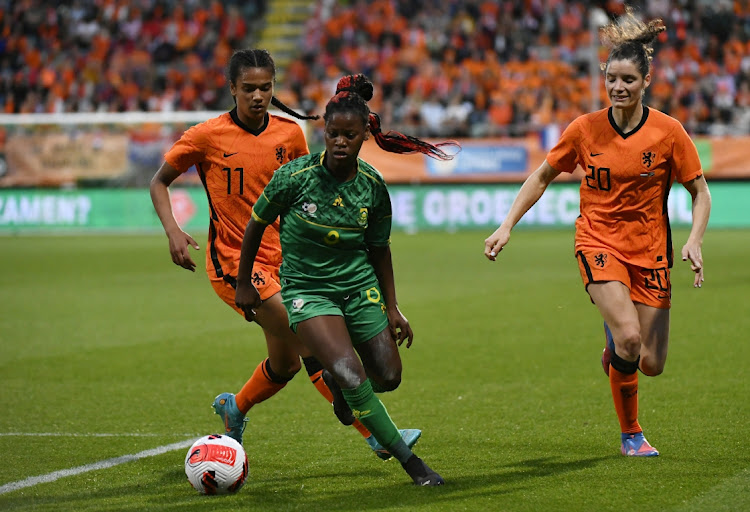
352 94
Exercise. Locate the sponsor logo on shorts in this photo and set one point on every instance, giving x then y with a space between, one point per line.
258 278
600 259
332 237
297 304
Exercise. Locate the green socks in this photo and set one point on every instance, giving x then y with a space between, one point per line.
368 409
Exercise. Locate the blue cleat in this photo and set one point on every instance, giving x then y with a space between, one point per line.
234 421
409 435
635 445
609 349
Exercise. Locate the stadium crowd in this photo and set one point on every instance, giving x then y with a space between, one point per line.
119 55
452 68
485 67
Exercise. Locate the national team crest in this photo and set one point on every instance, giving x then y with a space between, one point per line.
362 218
280 154
600 259
648 159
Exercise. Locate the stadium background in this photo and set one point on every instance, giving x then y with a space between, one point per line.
94 92
109 352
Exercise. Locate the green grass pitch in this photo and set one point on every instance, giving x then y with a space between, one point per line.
104 335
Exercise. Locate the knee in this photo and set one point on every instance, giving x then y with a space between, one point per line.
390 380
629 345
651 368
288 369
347 374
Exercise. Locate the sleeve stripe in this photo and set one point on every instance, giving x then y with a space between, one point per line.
263 194
262 221
303 170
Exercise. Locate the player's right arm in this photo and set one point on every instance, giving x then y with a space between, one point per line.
178 239
246 296
530 192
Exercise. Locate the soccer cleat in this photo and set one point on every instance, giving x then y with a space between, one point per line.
421 472
635 445
409 435
609 349
234 421
340 408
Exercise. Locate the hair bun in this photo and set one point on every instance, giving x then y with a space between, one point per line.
359 84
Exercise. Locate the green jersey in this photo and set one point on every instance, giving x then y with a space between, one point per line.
326 226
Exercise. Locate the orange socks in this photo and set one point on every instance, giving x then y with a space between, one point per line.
625 394
317 381
263 384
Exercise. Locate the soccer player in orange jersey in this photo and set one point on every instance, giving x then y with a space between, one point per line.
235 155
631 155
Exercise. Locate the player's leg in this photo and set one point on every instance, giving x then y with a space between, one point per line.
614 302
382 363
654 339
328 339
651 293
271 375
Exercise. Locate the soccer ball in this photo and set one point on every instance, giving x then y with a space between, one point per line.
216 464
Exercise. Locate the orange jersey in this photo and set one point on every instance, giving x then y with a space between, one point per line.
628 178
235 163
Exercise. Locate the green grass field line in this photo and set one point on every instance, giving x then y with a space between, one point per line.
103 334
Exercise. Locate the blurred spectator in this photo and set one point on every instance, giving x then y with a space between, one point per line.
452 68
516 66
117 55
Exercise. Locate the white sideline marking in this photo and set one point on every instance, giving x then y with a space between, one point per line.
74 434
102 464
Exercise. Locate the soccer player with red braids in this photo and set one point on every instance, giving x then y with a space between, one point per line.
235 155
338 284
631 154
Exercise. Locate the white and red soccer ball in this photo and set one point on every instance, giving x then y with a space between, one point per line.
216 464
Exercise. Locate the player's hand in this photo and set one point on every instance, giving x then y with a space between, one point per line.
178 248
692 252
399 326
495 243
247 298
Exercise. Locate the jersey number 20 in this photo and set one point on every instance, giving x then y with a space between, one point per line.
598 177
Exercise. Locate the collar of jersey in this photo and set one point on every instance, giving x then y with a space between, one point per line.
330 176
634 130
236 119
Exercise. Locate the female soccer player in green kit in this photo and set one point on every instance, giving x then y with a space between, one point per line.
337 273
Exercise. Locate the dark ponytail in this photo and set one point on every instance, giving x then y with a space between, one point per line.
256 58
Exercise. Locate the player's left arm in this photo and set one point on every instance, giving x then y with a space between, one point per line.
380 258
698 189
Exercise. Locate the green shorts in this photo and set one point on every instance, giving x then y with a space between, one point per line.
363 311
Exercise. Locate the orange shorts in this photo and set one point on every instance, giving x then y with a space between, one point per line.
265 278
649 286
